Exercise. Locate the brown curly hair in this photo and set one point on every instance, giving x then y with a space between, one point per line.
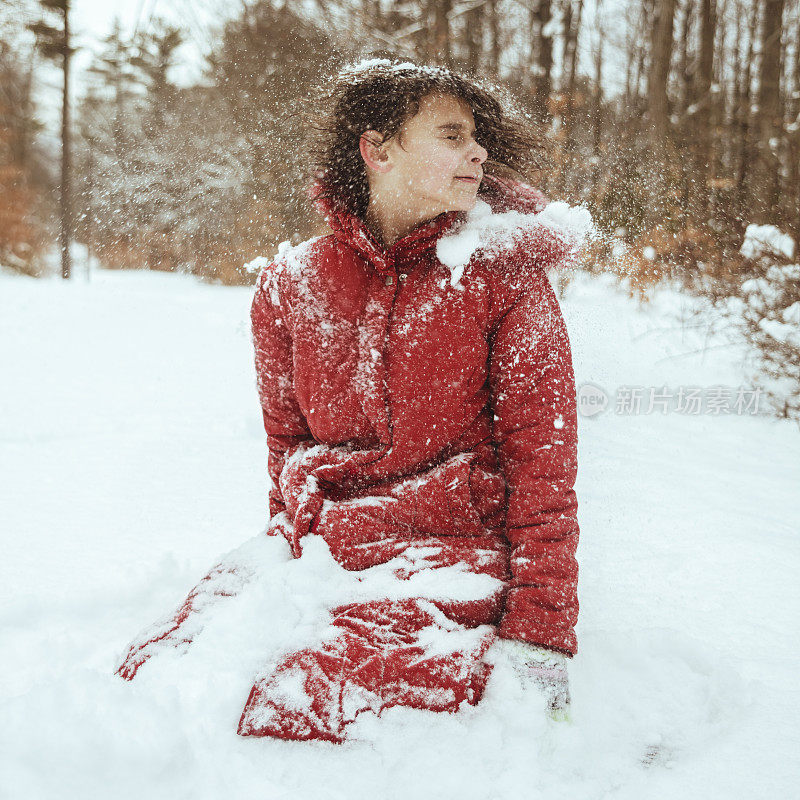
380 94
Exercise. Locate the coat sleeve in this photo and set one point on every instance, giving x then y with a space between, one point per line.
284 421
535 433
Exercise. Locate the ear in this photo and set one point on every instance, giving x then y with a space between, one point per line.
374 152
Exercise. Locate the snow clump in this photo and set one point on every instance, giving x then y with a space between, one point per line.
491 232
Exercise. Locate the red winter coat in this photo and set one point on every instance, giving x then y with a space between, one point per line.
421 423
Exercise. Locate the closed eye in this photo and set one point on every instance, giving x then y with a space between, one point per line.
458 137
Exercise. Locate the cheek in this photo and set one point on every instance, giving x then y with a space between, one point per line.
438 166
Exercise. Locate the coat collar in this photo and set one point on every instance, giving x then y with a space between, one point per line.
502 194
351 229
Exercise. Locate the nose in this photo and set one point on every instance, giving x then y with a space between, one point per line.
480 155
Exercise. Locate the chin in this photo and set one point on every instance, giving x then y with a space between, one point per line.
465 203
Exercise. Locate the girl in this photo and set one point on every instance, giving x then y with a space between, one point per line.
416 382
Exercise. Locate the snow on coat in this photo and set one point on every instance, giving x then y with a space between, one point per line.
419 405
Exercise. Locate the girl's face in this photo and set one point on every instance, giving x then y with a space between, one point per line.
434 163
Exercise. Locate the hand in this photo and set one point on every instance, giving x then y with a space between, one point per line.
546 670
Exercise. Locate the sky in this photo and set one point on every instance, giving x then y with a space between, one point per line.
92 20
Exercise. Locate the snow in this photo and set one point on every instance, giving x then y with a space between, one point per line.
490 232
791 315
257 264
355 69
788 333
766 240
133 459
771 296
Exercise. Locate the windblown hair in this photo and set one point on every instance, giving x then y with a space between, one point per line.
381 95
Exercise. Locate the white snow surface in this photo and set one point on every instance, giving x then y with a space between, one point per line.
133 459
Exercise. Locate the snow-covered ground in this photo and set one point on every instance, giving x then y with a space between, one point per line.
132 457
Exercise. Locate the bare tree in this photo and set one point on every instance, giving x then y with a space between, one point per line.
439 50
572 30
770 111
658 73
704 108
543 39
54 43
793 129
745 74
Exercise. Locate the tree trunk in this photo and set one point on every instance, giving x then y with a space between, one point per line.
494 31
474 32
439 48
686 75
745 142
544 67
704 117
660 57
65 235
794 141
770 116
658 167
597 114
572 31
